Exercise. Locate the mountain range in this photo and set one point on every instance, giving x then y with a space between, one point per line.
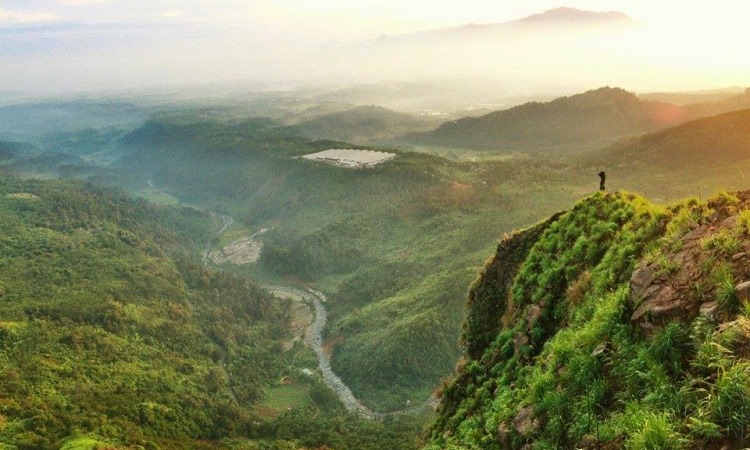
578 122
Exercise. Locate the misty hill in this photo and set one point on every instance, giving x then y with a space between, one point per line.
570 20
38 118
10 150
574 16
616 324
722 140
362 124
576 122
691 97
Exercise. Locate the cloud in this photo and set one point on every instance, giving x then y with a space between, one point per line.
25 17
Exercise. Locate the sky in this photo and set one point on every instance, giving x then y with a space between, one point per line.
90 45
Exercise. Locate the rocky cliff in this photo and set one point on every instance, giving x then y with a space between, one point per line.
617 324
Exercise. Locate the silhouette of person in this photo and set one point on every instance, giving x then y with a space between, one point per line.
603 177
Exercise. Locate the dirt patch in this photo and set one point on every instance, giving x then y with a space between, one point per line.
302 317
242 251
266 412
330 344
23 196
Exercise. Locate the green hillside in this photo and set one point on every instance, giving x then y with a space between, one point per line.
362 124
400 240
617 324
722 139
579 122
107 328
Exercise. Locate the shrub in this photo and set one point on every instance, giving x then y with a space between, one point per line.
724 284
672 346
723 199
730 400
656 431
722 241
743 221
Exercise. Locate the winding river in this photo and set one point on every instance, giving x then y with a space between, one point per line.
314 339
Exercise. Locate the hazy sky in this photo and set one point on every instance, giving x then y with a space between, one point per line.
69 45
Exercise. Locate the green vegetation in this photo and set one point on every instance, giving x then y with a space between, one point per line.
113 335
557 359
393 247
362 124
584 121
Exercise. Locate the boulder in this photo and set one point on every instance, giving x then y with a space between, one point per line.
743 291
524 422
660 306
709 310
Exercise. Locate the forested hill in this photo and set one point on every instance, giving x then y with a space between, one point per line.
711 141
584 121
617 324
362 124
112 334
393 246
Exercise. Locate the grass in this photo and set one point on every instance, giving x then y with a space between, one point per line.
87 443
723 241
724 284
281 398
234 232
156 196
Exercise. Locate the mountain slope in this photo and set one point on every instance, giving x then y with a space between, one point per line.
710 141
381 243
362 124
565 19
108 331
577 122
614 325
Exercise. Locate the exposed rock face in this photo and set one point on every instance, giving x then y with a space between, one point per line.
664 291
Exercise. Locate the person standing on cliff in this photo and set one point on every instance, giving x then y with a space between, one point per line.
602 179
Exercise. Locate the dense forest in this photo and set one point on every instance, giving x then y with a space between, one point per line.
113 332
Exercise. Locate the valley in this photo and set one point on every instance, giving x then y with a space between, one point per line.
371 261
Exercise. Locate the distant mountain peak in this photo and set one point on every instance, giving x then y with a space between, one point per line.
573 15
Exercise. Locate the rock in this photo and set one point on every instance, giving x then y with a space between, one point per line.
524 421
601 349
520 340
535 312
587 442
503 435
709 310
730 222
743 291
643 276
695 235
660 307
